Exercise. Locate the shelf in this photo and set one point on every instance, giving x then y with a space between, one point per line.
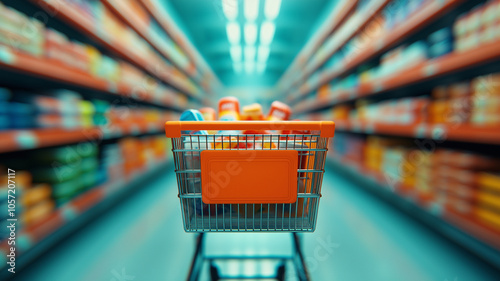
17 140
424 206
353 26
336 18
70 15
76 212
169 26
124 13
458 132
423 17
13 60
451 63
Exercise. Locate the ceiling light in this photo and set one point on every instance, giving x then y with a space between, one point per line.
251 9
230 9
261 67
233 33
249 67
267 32
272 9
237 67
250 33
250 53
263 54
235 53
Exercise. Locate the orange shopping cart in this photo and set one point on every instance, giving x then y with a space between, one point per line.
252 176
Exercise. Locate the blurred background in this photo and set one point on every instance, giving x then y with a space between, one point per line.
412 184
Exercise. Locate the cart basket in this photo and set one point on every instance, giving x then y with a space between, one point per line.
249 175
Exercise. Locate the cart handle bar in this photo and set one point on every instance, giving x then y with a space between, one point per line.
173 128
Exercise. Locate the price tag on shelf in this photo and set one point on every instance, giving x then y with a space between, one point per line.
430 70
69 213
6 56
26 140
370 128
135 130
378 87
112 87
438 133
420 131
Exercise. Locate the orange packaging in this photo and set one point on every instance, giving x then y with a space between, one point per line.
489 181
229 109
37 212
208 114
488 217
36 194
252 112
279 112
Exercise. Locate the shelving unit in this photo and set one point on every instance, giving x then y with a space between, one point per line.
299 88
474 234
430 12
52 70
86 206
158 70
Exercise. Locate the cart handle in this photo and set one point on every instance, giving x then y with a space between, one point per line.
173 128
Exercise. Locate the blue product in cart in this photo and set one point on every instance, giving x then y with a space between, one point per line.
193 115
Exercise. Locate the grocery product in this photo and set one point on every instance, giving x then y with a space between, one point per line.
229 109
279 112
193 115
208 113
252 112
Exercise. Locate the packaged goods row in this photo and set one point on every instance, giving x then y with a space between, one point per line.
473 29
475 102
55 176
68 110
465 182
31 36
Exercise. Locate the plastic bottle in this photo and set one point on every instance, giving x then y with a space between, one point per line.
279 112
229 109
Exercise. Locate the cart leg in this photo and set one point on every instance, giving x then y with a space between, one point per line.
214 273
197 263
280 276
298 260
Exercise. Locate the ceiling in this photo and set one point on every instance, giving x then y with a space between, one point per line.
205 23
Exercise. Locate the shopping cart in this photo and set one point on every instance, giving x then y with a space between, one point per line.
252 176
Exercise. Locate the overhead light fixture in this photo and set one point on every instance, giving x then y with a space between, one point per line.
249 67
250 53
263 53
267 31
237 67
272 9
251 9
235 53
230 9
250 33
233 33
261 67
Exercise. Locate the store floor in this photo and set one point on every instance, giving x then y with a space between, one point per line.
358 237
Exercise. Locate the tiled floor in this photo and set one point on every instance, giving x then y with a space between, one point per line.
358 238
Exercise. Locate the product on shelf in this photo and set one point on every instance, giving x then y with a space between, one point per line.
477 26
14 32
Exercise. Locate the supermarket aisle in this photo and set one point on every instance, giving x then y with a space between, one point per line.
358 238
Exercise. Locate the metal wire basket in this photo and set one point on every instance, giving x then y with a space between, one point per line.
251 176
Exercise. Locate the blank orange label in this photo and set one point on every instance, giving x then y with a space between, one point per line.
249 176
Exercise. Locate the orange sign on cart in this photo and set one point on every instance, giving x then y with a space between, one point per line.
249 176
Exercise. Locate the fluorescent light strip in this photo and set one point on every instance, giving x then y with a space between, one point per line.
261 67
263 53
250 33
237 67
233 33
251 9
250 53
236 53
230 9
272 9
267 33
249 67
